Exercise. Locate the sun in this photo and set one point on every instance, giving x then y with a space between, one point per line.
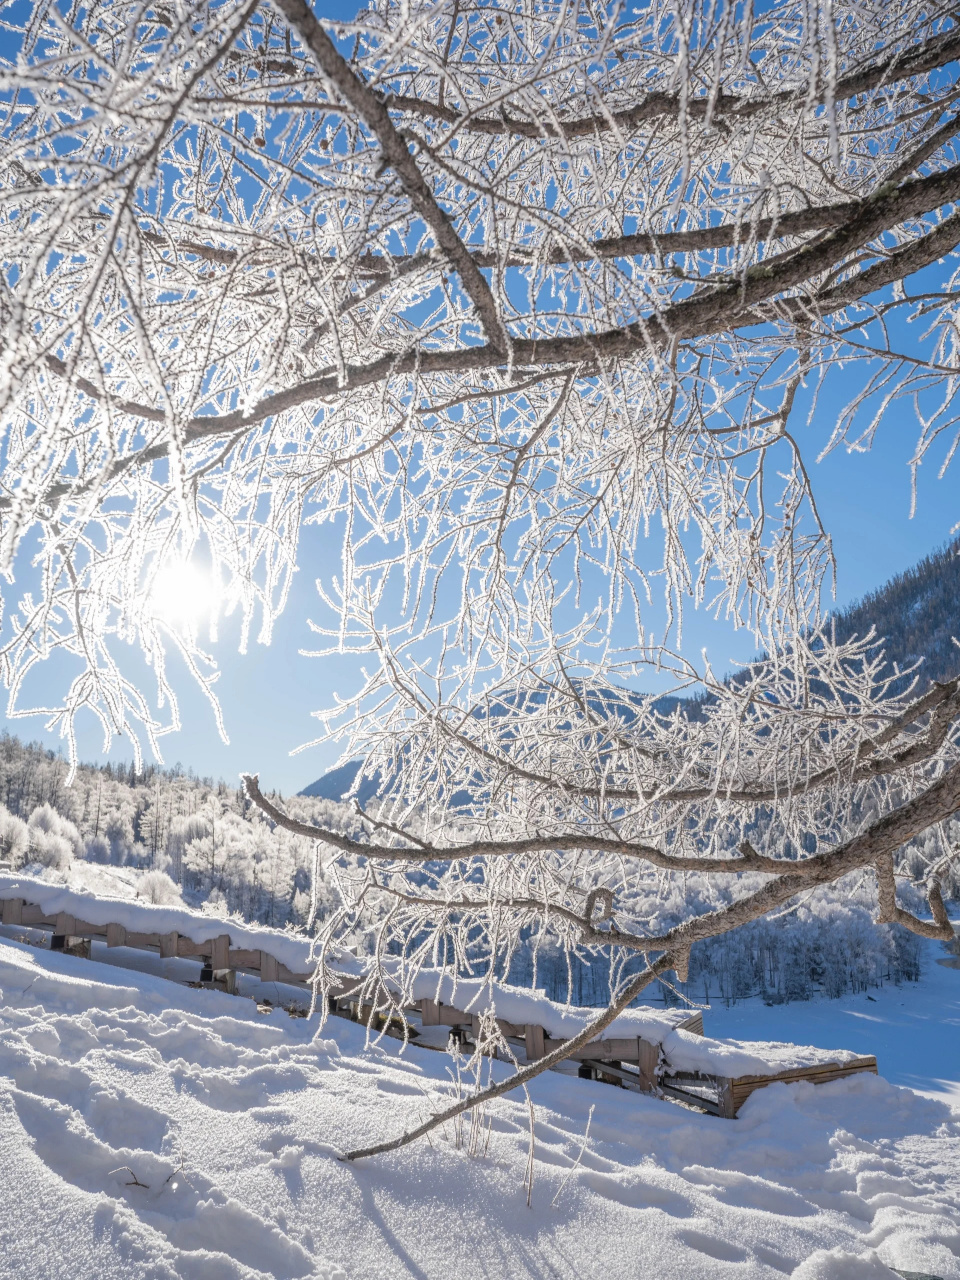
181 594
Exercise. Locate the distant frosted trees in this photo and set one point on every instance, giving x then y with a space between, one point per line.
201 837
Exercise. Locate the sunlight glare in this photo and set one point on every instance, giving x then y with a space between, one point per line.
181 594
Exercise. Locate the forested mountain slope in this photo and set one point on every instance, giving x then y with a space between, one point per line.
917 613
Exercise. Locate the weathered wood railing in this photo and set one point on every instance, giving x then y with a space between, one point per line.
628 1060
216 953
636 1063
601 1056
725 1095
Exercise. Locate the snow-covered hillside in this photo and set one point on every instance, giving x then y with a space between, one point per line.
231 1120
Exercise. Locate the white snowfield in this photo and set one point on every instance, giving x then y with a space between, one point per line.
150 1131
683 1051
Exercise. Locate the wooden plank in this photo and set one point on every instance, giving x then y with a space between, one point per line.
219 951
610 1072
727 1103
32 915
510 1028
241 958
708 1104
619 1049
296 979
143 941
84 929
188 949
13 911
450 1016
817 1072
269 968
116 935
506 1029
685 1079
648 1059
168 944
443 1015
694 1024
534 1036
66 924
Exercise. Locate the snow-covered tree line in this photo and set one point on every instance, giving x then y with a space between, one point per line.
829 946
189 835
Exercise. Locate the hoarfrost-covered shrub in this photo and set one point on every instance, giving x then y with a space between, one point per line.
216 905
96 849
49 822
50 851
52 839
118 829
14 838
157 887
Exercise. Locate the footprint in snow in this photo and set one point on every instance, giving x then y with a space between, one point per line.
714 1247
183 1207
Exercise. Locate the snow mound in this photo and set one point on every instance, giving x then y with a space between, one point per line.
837 1264
684 1051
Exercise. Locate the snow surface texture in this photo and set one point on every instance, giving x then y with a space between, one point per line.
232 1120
684 1051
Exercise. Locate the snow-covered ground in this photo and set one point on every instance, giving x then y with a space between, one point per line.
232 1120
913 1029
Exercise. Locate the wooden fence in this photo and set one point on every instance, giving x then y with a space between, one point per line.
631 1062
216 953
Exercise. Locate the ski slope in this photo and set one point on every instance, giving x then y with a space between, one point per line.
231 1120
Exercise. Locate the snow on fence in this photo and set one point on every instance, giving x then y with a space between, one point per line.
657 1052
224 946
643 1049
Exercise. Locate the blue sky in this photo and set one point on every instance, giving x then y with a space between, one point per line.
268 694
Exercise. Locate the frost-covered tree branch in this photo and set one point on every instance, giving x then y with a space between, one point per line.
557 806
555 810
563 813
503 290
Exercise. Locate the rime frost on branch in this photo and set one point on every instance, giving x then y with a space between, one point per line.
501 289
